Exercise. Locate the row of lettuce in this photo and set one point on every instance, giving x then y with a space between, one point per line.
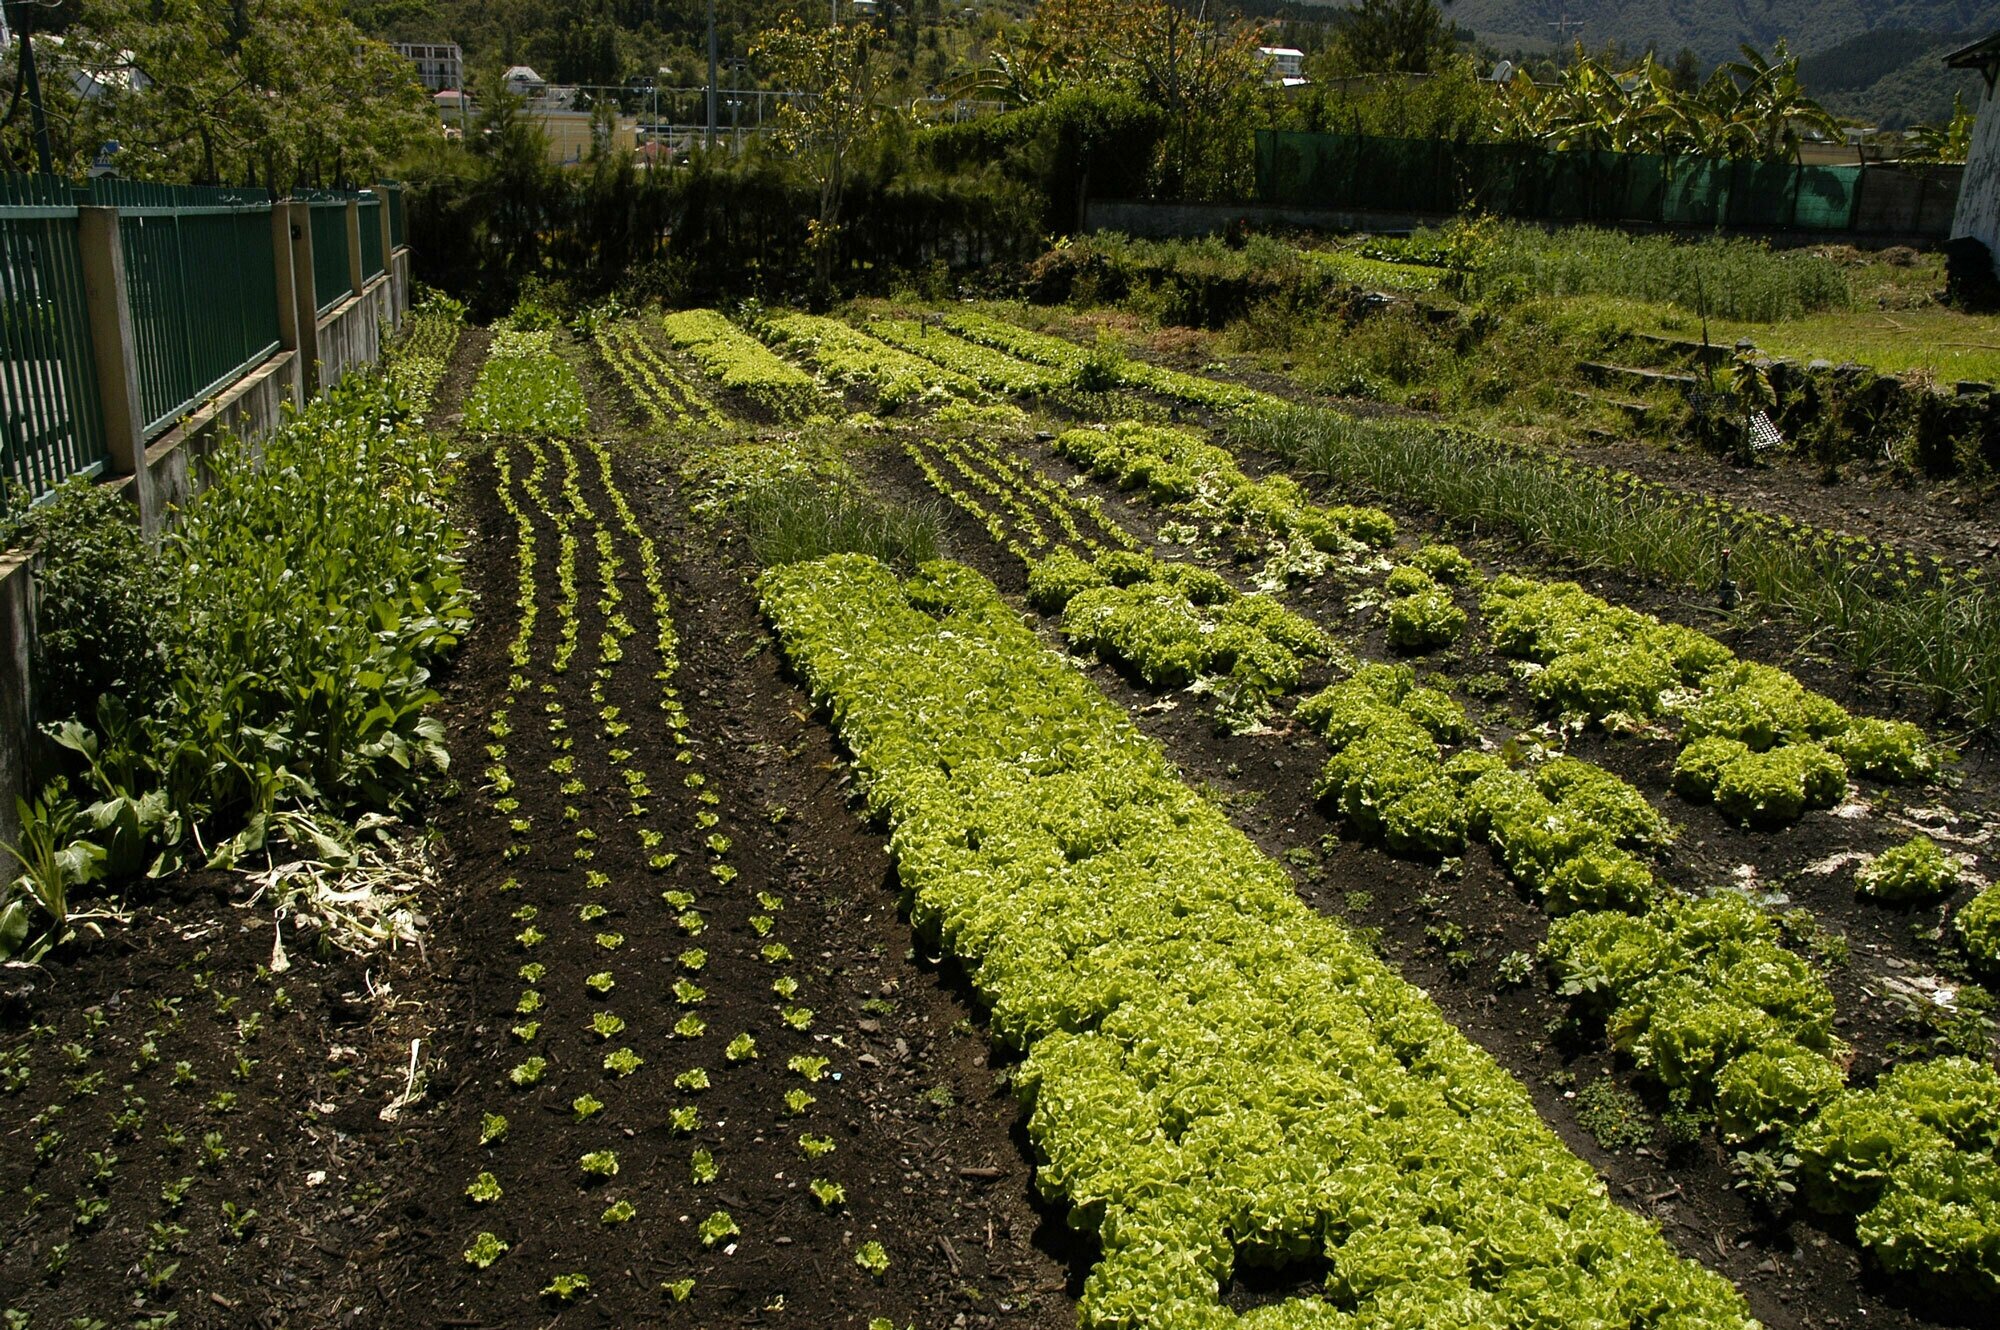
267 665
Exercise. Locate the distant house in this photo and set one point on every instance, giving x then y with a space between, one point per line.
524 82
440 65
1978 213
1283 65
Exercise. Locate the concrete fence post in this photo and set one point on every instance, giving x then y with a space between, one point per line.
305 298
357 278
395 306
114 349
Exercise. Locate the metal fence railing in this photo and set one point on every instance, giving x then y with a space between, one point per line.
371 237
332 282
201 287
51 418
392 194
204 298
1529 181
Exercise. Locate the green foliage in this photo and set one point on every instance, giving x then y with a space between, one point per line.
104 603
1107 370
1915 870
847 355
301 603
791 519
526 388
1913 1161
1615 1117
1177 623
1182 1009
1730 279
1426 618
1055 580
1694 987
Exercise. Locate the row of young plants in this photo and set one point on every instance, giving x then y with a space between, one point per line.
1219 1076
849 356
416 362
1888 616
526 387
1701 993
640 1004
1102 367
993 370
667 399
263 673
742 364
1169 623
152 1088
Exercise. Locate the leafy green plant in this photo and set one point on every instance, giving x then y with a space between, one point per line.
716 1227
485 1250
1915 870
872 1257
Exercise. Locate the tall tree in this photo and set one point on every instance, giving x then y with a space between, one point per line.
276 92
1397 36
828 120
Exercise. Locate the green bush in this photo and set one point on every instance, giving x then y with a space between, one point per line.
103 605
1915 870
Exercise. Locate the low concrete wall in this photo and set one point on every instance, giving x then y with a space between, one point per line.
350 334
252 407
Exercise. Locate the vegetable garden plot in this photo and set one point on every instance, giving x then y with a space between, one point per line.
661 393
994 370
1208 1061
1732 1022
625 905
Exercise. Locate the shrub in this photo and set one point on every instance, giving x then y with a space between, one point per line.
1915 870
102 604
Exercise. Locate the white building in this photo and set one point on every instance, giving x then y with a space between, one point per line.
440 65
1283 65
1978 213
524 82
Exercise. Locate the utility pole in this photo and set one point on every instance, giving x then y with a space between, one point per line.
711 74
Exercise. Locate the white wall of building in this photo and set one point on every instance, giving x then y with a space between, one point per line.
1978 213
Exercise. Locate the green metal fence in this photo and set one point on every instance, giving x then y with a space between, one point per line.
332 282
1528 181
392 194
371 237
200 280
51 419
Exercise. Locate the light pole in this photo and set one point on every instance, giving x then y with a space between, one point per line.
711 74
